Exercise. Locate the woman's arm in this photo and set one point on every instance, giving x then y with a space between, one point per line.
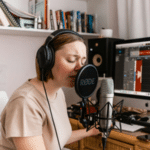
82 133
29 143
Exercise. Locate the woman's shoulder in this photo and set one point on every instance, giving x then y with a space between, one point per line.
24 90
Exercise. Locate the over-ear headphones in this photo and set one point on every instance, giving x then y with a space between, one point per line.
45 54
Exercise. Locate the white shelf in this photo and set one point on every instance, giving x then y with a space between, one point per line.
15 31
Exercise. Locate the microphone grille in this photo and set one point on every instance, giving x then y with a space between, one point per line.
107 86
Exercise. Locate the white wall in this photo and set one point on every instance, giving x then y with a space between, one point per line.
18 56
68 5
106 11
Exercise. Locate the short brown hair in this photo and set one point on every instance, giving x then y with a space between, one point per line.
57 43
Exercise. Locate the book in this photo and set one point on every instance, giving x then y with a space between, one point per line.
90 23
40 11
84 22
3 18
26 23
65 20
95 25
52 20
62 18
8 14
45 14
72 20
78 22
48 15
57 18
68 18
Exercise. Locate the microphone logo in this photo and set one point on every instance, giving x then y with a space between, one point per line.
90 81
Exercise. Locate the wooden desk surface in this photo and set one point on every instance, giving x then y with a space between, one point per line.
124 136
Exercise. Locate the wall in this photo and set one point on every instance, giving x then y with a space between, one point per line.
106 11
18 55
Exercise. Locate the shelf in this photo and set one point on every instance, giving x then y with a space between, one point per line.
15 31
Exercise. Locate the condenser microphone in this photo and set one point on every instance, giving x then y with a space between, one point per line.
106 107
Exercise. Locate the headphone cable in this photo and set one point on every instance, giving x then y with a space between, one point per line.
50 110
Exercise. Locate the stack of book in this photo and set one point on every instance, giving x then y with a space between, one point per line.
58 19
73 20
10 16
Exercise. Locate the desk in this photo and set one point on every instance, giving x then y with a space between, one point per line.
116 140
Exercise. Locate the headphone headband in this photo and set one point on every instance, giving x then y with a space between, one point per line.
58 32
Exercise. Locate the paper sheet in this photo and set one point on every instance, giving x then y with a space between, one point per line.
127 127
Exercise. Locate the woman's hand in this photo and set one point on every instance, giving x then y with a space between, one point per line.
94 132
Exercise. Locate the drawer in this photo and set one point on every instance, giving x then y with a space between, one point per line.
95 143
117 145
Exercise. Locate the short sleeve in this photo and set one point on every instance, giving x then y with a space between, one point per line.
23 118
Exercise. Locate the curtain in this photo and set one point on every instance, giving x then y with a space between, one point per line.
133 18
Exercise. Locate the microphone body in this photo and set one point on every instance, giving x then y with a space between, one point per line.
106 107
106 103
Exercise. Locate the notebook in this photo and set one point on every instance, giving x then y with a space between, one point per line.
8 14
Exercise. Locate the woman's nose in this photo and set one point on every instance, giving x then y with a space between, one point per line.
78 66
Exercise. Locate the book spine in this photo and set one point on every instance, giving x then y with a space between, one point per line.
51 20
83 22
57 19
75 21
45 14
62 18
54 18
90 24
48 14
78 21
60 23
3 19
65 20
68 18
72 14
8 14
95 24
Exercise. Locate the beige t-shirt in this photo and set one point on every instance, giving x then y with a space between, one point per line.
27 114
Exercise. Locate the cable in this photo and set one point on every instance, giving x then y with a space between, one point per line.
50 110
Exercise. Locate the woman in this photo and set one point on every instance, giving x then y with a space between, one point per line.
26 120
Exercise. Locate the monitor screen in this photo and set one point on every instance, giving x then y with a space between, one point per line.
132 68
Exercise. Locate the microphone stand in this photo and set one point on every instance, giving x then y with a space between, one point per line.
88 120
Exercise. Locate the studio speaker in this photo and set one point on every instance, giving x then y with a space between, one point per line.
101 54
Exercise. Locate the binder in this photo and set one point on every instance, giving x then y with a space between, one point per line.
8 14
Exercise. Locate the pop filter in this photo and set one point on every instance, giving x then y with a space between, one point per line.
86 81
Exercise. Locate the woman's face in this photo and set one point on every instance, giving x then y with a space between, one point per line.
68 62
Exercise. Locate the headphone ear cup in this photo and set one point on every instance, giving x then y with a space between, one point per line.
50 56
45 57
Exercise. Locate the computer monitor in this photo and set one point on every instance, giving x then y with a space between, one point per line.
132 73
